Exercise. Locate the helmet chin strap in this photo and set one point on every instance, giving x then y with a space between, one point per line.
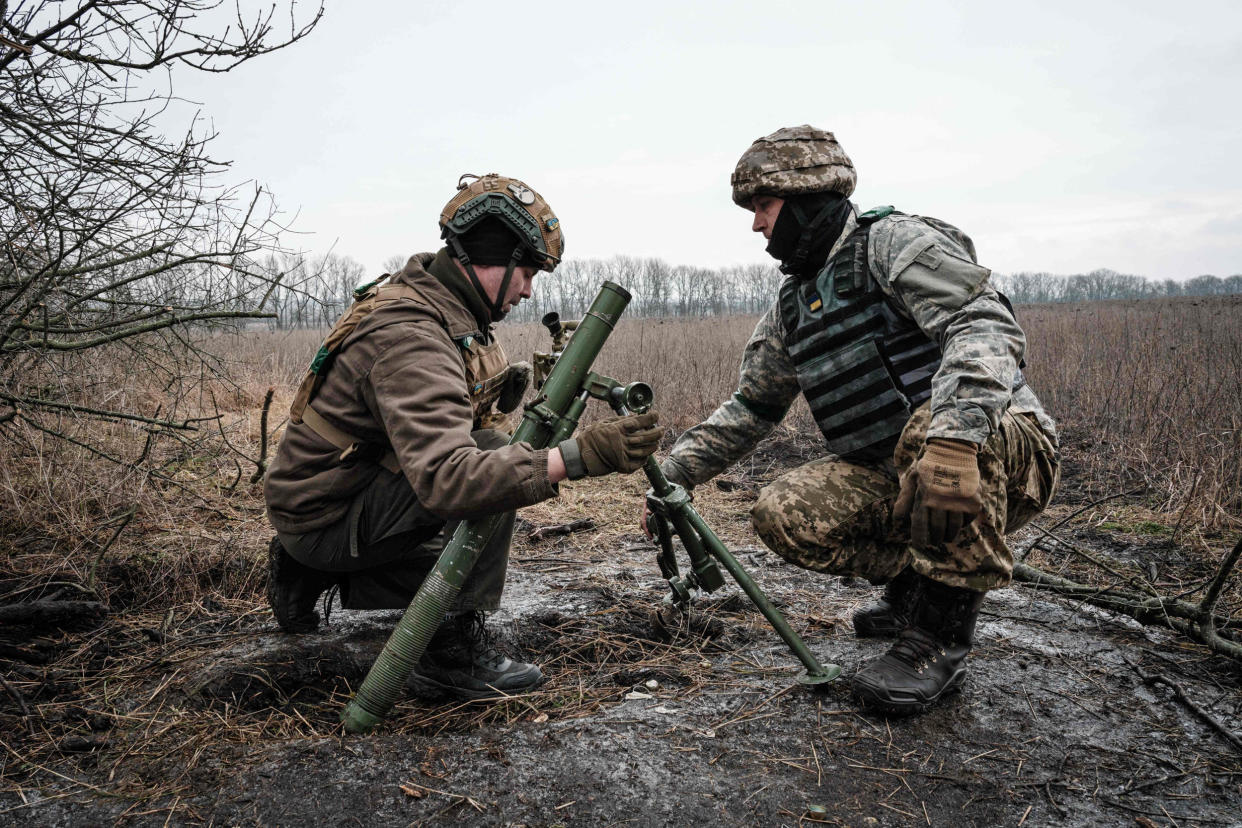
496 308
464 258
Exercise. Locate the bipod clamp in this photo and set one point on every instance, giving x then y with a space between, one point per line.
667 518
673 514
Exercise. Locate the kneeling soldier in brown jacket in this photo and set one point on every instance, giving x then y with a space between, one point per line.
394 437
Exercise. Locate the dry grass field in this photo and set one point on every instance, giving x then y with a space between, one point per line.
143 717
1148 395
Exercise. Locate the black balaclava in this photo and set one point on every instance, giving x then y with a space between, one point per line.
490 242
805 230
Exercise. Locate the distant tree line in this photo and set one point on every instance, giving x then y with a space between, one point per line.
1098 285
312 291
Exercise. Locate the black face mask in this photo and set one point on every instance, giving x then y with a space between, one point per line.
805 230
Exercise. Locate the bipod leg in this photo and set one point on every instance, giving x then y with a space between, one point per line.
670 504
816 673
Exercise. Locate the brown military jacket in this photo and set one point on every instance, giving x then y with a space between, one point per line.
399 381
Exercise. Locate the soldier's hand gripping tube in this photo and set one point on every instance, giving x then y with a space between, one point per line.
554 412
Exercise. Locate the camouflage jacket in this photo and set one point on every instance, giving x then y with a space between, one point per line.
980 342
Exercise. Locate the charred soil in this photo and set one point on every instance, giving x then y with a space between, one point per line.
204 713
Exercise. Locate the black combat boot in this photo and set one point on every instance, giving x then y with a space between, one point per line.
293 589
928 660
891 614
461 660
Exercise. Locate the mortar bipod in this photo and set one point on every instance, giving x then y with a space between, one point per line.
672 514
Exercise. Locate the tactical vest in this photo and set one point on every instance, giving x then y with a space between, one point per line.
863 367
486 367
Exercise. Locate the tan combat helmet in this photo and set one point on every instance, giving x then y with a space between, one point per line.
793 161
519 208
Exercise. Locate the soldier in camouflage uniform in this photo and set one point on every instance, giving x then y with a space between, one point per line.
910 363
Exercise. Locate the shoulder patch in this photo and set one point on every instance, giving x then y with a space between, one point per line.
941 278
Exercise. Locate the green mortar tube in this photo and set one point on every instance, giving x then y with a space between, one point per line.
552 412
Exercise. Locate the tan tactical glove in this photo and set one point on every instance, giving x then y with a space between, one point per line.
940 492
620 444
516 380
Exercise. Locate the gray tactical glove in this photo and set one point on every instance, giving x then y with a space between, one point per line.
514 389
620 444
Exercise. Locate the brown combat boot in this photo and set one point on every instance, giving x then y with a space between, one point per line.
891 613
292 590
462 660
928 660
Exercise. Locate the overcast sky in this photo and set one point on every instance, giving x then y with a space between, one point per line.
1062 136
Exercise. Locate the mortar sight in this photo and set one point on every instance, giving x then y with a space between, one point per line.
635 397
552 321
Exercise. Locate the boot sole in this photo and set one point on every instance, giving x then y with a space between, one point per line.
908 708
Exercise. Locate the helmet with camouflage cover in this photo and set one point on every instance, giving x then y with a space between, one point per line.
793 161
518 207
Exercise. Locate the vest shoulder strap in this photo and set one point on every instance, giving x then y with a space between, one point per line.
367 298
876 213
351 447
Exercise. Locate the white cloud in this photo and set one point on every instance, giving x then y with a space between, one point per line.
1058 136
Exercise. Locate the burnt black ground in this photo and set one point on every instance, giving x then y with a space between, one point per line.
218 719
1053 727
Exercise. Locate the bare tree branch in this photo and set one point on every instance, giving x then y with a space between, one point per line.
118 238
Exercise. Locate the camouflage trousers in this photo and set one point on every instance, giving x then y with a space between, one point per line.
834 516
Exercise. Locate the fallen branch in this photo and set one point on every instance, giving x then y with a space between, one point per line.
52 613
1207 607
1184 617
561 529
1191 705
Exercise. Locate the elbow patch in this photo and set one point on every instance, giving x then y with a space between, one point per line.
939 277
764 411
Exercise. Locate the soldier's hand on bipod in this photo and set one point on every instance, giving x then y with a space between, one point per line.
940 492
673 474
620 444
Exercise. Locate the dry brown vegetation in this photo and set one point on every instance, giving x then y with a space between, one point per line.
1149 392
171 538
1148 395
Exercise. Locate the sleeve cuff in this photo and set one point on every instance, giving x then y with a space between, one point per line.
676 474
575 469
539 487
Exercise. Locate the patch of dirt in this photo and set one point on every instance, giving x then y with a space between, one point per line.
208 715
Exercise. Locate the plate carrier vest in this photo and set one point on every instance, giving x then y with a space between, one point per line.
863 367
